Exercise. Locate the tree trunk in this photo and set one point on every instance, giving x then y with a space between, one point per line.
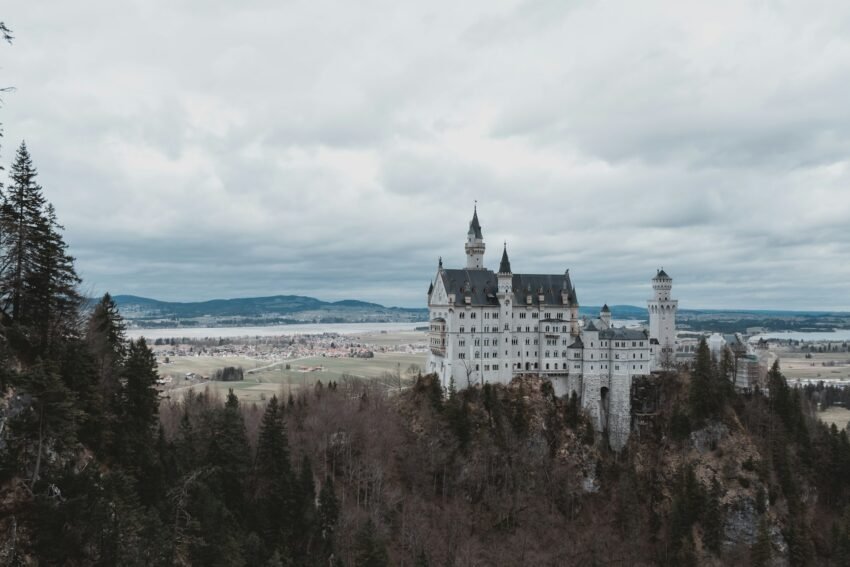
40 443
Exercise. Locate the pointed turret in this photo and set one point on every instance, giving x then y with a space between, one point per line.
474 225
505 264
504 276
474 244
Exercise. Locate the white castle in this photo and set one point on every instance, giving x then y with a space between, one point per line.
490 327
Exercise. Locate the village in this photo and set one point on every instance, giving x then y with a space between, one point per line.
257 366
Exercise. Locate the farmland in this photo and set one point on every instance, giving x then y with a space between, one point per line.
282 366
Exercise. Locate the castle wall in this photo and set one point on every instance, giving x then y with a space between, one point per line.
619 412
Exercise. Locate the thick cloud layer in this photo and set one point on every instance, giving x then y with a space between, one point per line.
202 149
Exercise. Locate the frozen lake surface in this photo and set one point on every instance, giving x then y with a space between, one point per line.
836 335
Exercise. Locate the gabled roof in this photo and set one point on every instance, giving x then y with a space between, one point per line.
590 327
624 334
482 286
474 225
577 343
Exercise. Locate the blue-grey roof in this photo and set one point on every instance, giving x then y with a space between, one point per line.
623 334
482 286
590 326
577 343
661 275
605 309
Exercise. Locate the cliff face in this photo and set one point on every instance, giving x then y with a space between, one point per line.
524 466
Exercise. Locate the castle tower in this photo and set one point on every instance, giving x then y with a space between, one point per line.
505 294
605 316
474 244
662 318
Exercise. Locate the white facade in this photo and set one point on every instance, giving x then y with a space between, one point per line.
490 326
662 319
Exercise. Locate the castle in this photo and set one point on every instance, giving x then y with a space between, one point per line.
490 326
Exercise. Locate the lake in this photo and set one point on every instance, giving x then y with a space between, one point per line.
272 330
836 335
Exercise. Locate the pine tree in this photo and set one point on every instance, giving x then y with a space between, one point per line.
77 368
369 549
105 335
37 277
185 445
703 393
328 513
304 520
21 221
230 453
139 414
727 365
51 284
108 346
273 479
51 417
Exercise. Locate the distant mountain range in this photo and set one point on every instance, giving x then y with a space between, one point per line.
289 309
275 310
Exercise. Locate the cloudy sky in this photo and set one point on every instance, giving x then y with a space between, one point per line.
197 149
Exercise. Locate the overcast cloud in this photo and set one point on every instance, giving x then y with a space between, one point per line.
198 149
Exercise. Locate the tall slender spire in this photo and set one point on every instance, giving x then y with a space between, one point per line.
505 265
474 225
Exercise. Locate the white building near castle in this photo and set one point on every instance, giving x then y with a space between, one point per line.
490 326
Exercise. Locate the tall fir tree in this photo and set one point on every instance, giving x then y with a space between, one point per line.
52 416
230 452
273 480
108 347
328 516
138 417
22 220
703 393
51 285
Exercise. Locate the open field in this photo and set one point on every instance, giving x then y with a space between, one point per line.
269 381
205 365
393 338
837 415
822 366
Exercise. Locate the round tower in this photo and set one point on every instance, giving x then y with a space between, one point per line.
474 244
662 317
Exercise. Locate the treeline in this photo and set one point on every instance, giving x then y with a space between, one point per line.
824 396
229 374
